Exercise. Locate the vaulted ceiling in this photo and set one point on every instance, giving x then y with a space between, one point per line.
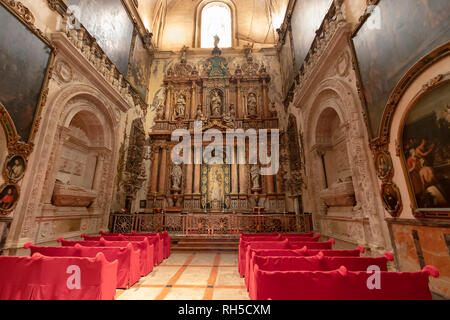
173 22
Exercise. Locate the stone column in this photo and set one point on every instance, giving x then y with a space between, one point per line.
61 133
234 173
243 178
99 171
279 183
239 111
265 99
189 176
269 184
168 103
154 181
194 100
163 170
197 174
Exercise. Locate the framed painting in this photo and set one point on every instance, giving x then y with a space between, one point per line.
25 57
15 166
139 71
425 140
9 196
113 28
392 40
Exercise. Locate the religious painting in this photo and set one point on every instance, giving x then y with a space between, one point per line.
307 17
112 29
391 198
140 61
426 149
143 204
215 186
383 164
9 195
24 61
15 166
391 42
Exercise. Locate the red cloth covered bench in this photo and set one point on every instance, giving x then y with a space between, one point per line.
306 234
156 241
128 269
164 236
319 262
286 244
55 278
300 238
146 250
304 252
341 284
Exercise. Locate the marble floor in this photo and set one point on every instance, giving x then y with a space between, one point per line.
191 276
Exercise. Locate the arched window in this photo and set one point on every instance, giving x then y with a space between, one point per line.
216 20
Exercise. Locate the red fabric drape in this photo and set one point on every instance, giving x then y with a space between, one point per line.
46 278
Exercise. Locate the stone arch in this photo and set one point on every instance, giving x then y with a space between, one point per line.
55 115
334 94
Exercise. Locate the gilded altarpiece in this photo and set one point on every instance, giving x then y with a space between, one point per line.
221 95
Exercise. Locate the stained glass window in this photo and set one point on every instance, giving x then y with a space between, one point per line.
216 20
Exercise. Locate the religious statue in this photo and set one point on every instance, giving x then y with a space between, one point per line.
176 177
254 172
216 104
160 113
232 111
183 54
216 41
180 106
228 120
252 105
216 185
199 116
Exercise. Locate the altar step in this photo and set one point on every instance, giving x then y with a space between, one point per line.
204 244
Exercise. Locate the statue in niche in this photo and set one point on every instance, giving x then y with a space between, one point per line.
176 177
216 104
180 107
216 184
232 111
252 104
254 172
228 119
199 116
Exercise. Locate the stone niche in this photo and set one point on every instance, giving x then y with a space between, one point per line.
74 186
332 150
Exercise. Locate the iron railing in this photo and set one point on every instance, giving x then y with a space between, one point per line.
192 224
